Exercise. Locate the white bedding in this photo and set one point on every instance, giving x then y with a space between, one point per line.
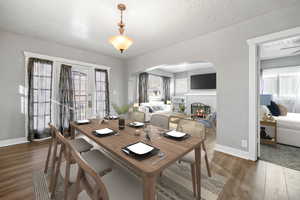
291 121
288 129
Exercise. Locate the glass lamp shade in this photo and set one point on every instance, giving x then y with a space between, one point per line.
121 42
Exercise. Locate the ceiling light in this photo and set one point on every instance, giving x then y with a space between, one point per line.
121 42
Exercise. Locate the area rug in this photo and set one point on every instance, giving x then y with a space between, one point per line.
175 184
284 155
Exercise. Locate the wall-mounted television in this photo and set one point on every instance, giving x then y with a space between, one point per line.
204 81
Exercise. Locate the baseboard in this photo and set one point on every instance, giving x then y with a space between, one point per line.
232 151
4 143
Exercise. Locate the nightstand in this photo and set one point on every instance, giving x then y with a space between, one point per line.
274 139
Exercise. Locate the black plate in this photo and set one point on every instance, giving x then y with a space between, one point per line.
176 138
140 157
83 123
104 135
132 126
110 118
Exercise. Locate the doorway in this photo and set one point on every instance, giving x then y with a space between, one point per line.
254 83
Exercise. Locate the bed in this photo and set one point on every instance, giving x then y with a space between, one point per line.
288 129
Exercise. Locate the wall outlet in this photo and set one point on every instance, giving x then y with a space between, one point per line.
244 143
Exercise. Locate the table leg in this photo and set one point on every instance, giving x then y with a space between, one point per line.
198 171
72 132
275 136
149 187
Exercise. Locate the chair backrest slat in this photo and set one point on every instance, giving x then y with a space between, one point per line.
137 116
191 127
160 121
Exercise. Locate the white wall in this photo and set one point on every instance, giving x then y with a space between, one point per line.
227 49
12 73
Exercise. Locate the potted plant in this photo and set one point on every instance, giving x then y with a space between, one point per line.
181 108
121 111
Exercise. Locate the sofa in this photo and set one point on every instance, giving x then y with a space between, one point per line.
157 107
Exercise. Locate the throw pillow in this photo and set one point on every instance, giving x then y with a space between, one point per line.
283 110
274 109
155 108
150 109
264 110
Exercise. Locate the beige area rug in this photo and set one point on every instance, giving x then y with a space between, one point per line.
175 184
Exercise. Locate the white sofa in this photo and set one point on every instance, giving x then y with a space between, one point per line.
288 129
157 107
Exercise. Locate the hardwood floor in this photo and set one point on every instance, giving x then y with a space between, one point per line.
247 180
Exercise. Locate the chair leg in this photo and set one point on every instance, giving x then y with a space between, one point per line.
161 174
48 156
56 172
77 184
193 172
206 159
67 176
54 159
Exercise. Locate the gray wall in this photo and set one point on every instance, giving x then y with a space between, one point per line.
227 49
12 73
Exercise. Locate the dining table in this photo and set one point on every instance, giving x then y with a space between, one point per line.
149 169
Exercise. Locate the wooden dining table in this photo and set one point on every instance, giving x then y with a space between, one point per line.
150 168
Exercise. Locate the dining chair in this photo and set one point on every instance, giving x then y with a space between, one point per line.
160 120
118 184
80 144
137 116
68 168
196 129
175 118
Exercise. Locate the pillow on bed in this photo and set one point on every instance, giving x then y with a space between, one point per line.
274 109
283 110
264 110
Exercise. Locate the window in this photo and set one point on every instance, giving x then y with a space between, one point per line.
101 87
284 85
41 96
80 94
155 88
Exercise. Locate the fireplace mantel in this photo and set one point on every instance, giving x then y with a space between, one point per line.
207 99
200 94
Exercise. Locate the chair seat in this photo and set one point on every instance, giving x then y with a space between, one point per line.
120 184
206 123
190 157
81 145
94 158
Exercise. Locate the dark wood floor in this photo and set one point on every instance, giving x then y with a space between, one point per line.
247 179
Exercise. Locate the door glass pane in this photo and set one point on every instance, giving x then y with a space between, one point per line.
80 94
100 93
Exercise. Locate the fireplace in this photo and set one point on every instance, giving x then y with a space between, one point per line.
200 110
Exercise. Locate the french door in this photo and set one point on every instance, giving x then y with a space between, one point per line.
84 92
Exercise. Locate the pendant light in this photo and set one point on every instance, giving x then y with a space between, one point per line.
121 42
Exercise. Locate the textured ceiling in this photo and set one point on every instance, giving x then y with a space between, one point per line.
87 24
